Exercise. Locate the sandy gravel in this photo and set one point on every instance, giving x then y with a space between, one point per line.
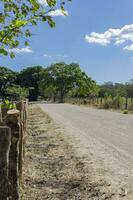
105 138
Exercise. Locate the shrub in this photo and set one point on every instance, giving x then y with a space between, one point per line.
8 105
84 101
107 104
125 112
116 103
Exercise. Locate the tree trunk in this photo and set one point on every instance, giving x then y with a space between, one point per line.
126 104
61 100
101 100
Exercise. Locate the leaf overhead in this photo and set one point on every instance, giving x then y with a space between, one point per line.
16 18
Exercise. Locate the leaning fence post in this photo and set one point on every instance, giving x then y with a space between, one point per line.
5 142
12 120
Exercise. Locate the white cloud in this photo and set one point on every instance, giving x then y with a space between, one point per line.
129 47
43 2
118 42
46 55
54 13
58 12
116 36
97 38
22 50
55 56
61 56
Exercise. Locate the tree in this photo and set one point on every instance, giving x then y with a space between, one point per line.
120 90
107 89
49 92
16 92
29 78
16 16
65 78
7 77
129 89
86 87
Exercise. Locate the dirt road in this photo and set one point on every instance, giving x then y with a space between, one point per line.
54 171
105 137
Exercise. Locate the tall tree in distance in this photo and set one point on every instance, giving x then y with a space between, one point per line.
63 78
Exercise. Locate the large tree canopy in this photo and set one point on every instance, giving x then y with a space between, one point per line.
29 78
63 78
16 92
16 16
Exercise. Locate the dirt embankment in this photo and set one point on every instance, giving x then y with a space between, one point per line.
52 169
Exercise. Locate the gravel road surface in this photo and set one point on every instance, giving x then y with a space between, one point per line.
103 136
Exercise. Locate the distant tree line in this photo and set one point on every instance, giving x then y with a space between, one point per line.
61 81
117 93
110 96
53 82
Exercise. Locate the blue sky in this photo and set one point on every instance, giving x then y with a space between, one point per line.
96 34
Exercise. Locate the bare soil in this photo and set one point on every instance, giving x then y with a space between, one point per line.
54 171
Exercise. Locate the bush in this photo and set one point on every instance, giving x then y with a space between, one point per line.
84 101
125 112
117 103
8 105
107 104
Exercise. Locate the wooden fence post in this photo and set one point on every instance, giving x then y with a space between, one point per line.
12 120
20 107
4 112
25 114
5 142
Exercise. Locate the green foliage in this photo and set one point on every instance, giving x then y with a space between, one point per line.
49 92
17 16
17 92
130 106
107 104
29 78
66 79
125 111
60 81
117 89
8 105
118 93
116 102
129 89
7 77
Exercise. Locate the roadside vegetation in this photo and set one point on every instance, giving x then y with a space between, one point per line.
116 96
61 82
53 83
